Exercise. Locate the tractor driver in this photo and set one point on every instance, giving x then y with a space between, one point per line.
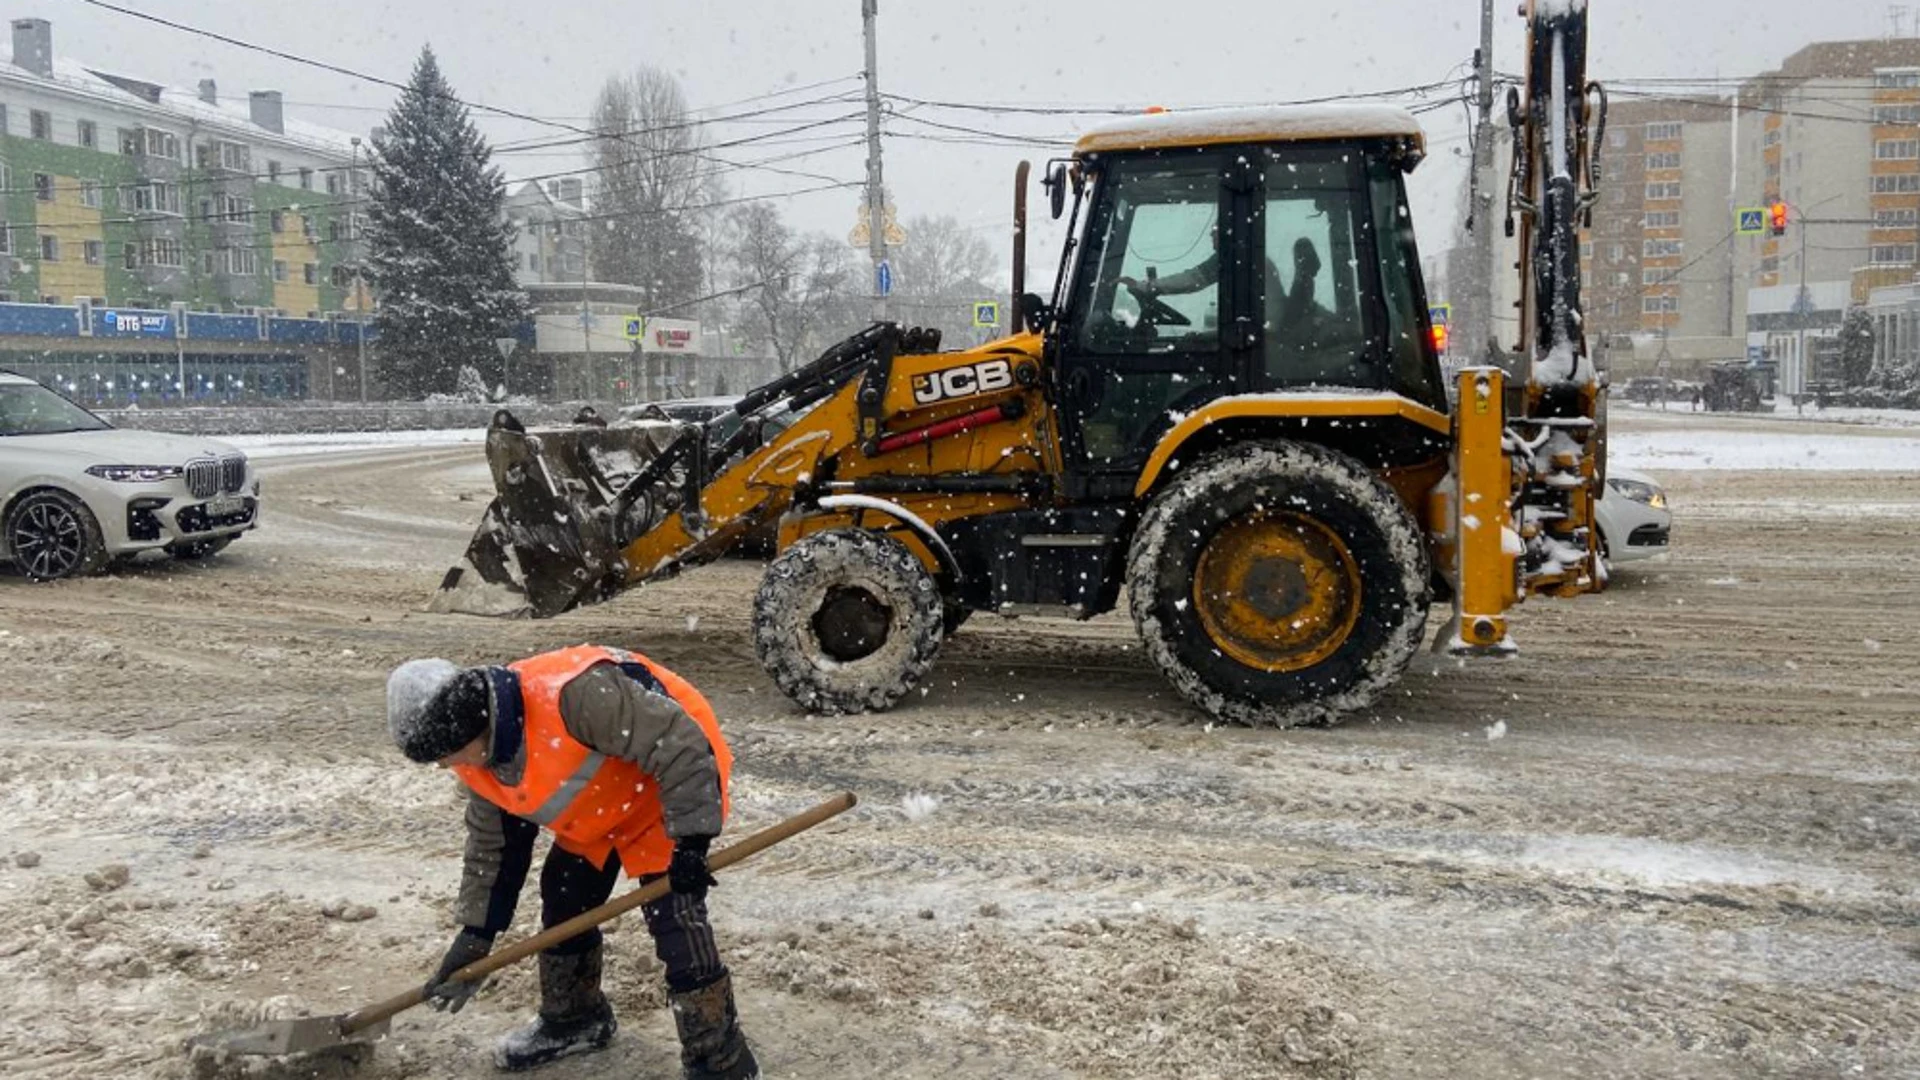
1288 309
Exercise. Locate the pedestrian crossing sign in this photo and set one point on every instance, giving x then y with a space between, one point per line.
986 313
636 327
1750 220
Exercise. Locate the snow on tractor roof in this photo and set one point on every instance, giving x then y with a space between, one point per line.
1267 123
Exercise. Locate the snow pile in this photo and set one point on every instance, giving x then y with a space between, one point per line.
1783 450
347 442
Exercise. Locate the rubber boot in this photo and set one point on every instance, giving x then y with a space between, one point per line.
712 1046
574 1015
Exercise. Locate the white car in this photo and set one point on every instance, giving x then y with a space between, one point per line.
77 493
1634 520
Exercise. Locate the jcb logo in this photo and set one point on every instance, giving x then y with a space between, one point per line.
981 378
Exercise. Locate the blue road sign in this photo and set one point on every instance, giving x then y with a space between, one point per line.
883 278
1751 219
986 313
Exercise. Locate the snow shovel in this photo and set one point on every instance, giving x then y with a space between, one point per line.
317 1033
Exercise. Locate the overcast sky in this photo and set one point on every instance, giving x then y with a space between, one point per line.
548 59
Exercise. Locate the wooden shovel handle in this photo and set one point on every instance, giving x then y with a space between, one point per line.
612 909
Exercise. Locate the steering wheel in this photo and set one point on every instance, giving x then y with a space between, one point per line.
1154 311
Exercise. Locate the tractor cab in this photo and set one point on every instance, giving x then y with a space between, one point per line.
1247 252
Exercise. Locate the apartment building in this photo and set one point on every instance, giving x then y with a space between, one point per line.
550 239
124 192
1659 287
1835 134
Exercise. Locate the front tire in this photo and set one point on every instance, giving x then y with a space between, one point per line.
1279 584
52 535
847 621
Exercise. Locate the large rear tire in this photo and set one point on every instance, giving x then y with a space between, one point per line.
1279 584
52 535
847 621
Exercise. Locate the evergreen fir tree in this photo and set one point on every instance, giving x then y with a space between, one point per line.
439 251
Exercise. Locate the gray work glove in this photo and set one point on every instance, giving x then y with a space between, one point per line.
445 994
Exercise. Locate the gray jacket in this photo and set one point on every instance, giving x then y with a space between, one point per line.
607 710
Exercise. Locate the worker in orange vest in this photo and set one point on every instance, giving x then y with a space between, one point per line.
623 762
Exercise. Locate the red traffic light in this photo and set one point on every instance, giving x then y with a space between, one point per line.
1440 338
1777 215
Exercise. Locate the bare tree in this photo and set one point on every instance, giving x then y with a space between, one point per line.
653 179
802 288
940 272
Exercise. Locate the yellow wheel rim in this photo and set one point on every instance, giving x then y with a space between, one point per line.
1277 592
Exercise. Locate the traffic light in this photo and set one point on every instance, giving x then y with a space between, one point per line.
1440 338
1777 218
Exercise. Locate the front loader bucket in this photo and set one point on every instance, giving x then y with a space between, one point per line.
552 537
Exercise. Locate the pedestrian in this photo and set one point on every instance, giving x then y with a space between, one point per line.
623 762
1696 400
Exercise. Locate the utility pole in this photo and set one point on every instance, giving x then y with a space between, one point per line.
1475 297
359 301
876 212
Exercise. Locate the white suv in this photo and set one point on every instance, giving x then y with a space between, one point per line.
75 492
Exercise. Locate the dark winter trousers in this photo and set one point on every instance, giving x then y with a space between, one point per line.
682 936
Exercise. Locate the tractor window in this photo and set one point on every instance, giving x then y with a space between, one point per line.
1156 281
1415 371
1318 315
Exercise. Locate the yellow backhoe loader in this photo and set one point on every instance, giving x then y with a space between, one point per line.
1229 412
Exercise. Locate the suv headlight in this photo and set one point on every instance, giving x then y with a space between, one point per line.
1639 492
135 474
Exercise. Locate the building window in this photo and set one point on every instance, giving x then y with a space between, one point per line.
1663 219
333 229
1616 252
235 208
279 270
1654 276
89 194
89 134
1621 279
49 298
1617 140
1586 250
1659 305
1901 183
1660 249
43 187
306 179
6 239
130 253
1895 219
40 124
533 261
1663 192
1892 255
49 248
1896 114
342 277
273 170
307 231
244 261
310 273
1896 149
277 221
235 157
158 252
156 197
1664 132
1896 80
93 251
1668 160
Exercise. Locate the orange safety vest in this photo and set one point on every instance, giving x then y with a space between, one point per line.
593 804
